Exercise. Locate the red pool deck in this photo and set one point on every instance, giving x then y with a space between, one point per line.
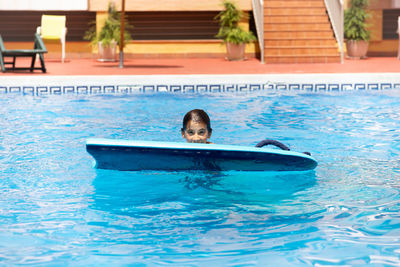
171 66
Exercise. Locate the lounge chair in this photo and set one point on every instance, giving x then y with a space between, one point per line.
53 28
38 49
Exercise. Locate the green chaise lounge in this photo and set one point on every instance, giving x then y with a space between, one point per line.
38 49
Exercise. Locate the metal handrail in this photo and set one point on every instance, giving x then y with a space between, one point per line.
335 10
258 12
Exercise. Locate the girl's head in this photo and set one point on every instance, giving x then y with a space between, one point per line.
196 126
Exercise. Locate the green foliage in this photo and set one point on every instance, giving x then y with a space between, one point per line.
239 36
231 16
111 30
355 27
229 30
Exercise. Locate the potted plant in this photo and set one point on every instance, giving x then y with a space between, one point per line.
231 33
355 29
109 35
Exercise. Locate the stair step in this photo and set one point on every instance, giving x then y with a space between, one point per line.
295 11
297 26
303 51
296 19
298 31
294 3
305 56
303 59
297 35
300 42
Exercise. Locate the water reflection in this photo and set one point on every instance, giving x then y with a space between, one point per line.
170 214
124 192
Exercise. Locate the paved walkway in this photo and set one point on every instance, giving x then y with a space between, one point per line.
206 66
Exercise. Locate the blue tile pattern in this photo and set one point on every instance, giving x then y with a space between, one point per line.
191 88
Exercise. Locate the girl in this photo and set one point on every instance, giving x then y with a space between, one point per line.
196 127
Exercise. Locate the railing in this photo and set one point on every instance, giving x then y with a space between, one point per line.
336 15
258 12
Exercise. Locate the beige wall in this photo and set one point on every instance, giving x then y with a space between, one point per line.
182 48
375 24
379 4
384 4
378 46
185 48
167 5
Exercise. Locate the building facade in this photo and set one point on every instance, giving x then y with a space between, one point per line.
168 28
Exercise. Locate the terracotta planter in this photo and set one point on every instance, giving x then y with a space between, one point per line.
356 49
108 53
234 51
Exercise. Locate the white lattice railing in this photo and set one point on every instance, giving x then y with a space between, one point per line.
258 12
335 10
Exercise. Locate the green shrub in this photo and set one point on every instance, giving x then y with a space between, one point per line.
111 30
355 27
229 30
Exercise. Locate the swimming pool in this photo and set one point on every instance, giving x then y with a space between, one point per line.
55 209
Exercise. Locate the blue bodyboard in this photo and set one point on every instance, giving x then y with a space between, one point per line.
131 155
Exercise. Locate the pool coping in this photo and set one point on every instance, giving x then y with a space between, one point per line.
218 83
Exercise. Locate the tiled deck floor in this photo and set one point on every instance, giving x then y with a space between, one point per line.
205 66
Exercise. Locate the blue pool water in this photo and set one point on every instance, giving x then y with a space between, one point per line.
56 209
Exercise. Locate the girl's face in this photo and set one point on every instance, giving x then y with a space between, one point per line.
196 132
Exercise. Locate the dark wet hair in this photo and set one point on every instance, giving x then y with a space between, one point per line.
197 114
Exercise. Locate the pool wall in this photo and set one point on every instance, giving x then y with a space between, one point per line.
136 84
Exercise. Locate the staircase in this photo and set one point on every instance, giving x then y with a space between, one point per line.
298 31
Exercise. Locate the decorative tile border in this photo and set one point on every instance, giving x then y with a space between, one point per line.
189 88
193 84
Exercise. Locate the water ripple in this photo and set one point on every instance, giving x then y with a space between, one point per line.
56 209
